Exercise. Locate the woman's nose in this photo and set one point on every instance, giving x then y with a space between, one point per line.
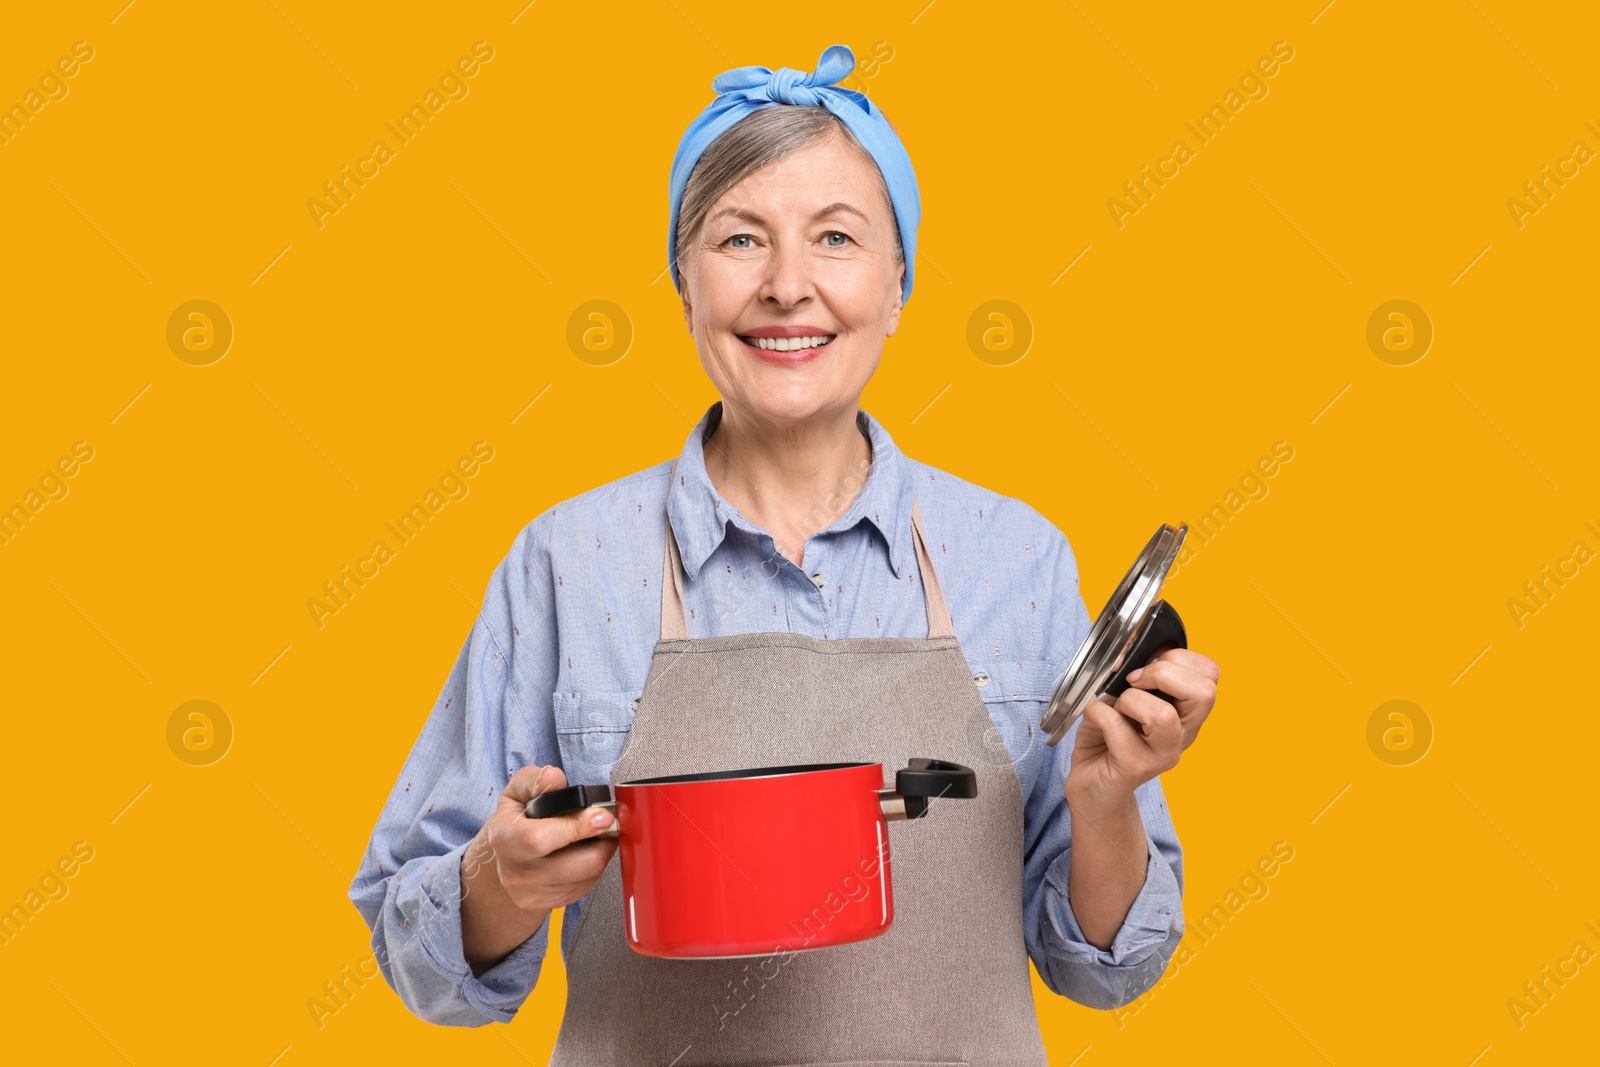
787 279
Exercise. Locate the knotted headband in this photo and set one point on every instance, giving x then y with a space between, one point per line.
747 89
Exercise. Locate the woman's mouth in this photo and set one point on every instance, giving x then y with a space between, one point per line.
788 350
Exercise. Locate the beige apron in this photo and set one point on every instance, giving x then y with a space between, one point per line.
947 984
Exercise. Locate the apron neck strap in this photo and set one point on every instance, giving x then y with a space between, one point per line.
939 624
675 618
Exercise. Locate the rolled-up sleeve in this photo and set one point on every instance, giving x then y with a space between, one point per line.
492 718
1068 964
1110 978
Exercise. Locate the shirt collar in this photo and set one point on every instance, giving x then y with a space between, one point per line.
699 515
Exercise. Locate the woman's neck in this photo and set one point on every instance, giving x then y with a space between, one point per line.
791 480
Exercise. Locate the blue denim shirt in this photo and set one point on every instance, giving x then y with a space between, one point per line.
561 647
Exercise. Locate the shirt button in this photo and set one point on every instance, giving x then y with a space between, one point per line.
817 580
981 678
635 705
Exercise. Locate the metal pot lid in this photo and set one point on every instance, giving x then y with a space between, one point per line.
1105 650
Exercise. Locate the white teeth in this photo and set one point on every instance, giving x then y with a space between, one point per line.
789 344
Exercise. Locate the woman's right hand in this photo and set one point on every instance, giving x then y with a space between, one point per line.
544 864
518 870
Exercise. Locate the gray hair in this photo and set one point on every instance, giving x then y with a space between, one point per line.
757 141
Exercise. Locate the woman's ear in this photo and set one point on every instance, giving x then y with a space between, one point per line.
899 302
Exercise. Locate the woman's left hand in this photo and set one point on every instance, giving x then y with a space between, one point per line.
1113 755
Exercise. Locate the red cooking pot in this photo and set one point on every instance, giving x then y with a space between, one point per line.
752 862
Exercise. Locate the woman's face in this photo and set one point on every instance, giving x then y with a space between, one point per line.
805 245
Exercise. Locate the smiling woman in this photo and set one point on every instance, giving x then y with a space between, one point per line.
788 591
808 226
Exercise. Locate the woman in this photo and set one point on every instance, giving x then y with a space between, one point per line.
820 597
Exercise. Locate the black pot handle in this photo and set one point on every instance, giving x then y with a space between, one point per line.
1162 627
573 798
922 779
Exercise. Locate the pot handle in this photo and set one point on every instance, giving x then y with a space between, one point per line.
922 779
574 798
1162 627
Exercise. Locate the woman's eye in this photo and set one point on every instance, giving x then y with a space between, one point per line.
836 233
740 237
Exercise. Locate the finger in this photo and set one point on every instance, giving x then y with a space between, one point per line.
1176 681
1085 733
1195 694
532 781
1113 725
579 863
1194 661
560 878
582 859
546 836
1159 723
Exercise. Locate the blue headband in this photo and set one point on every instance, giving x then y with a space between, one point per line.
746 89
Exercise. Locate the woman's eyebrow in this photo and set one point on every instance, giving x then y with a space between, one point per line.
751 216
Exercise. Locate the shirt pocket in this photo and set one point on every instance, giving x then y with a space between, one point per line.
591 728
1015 693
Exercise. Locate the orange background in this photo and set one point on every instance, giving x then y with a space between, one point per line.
1166 357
